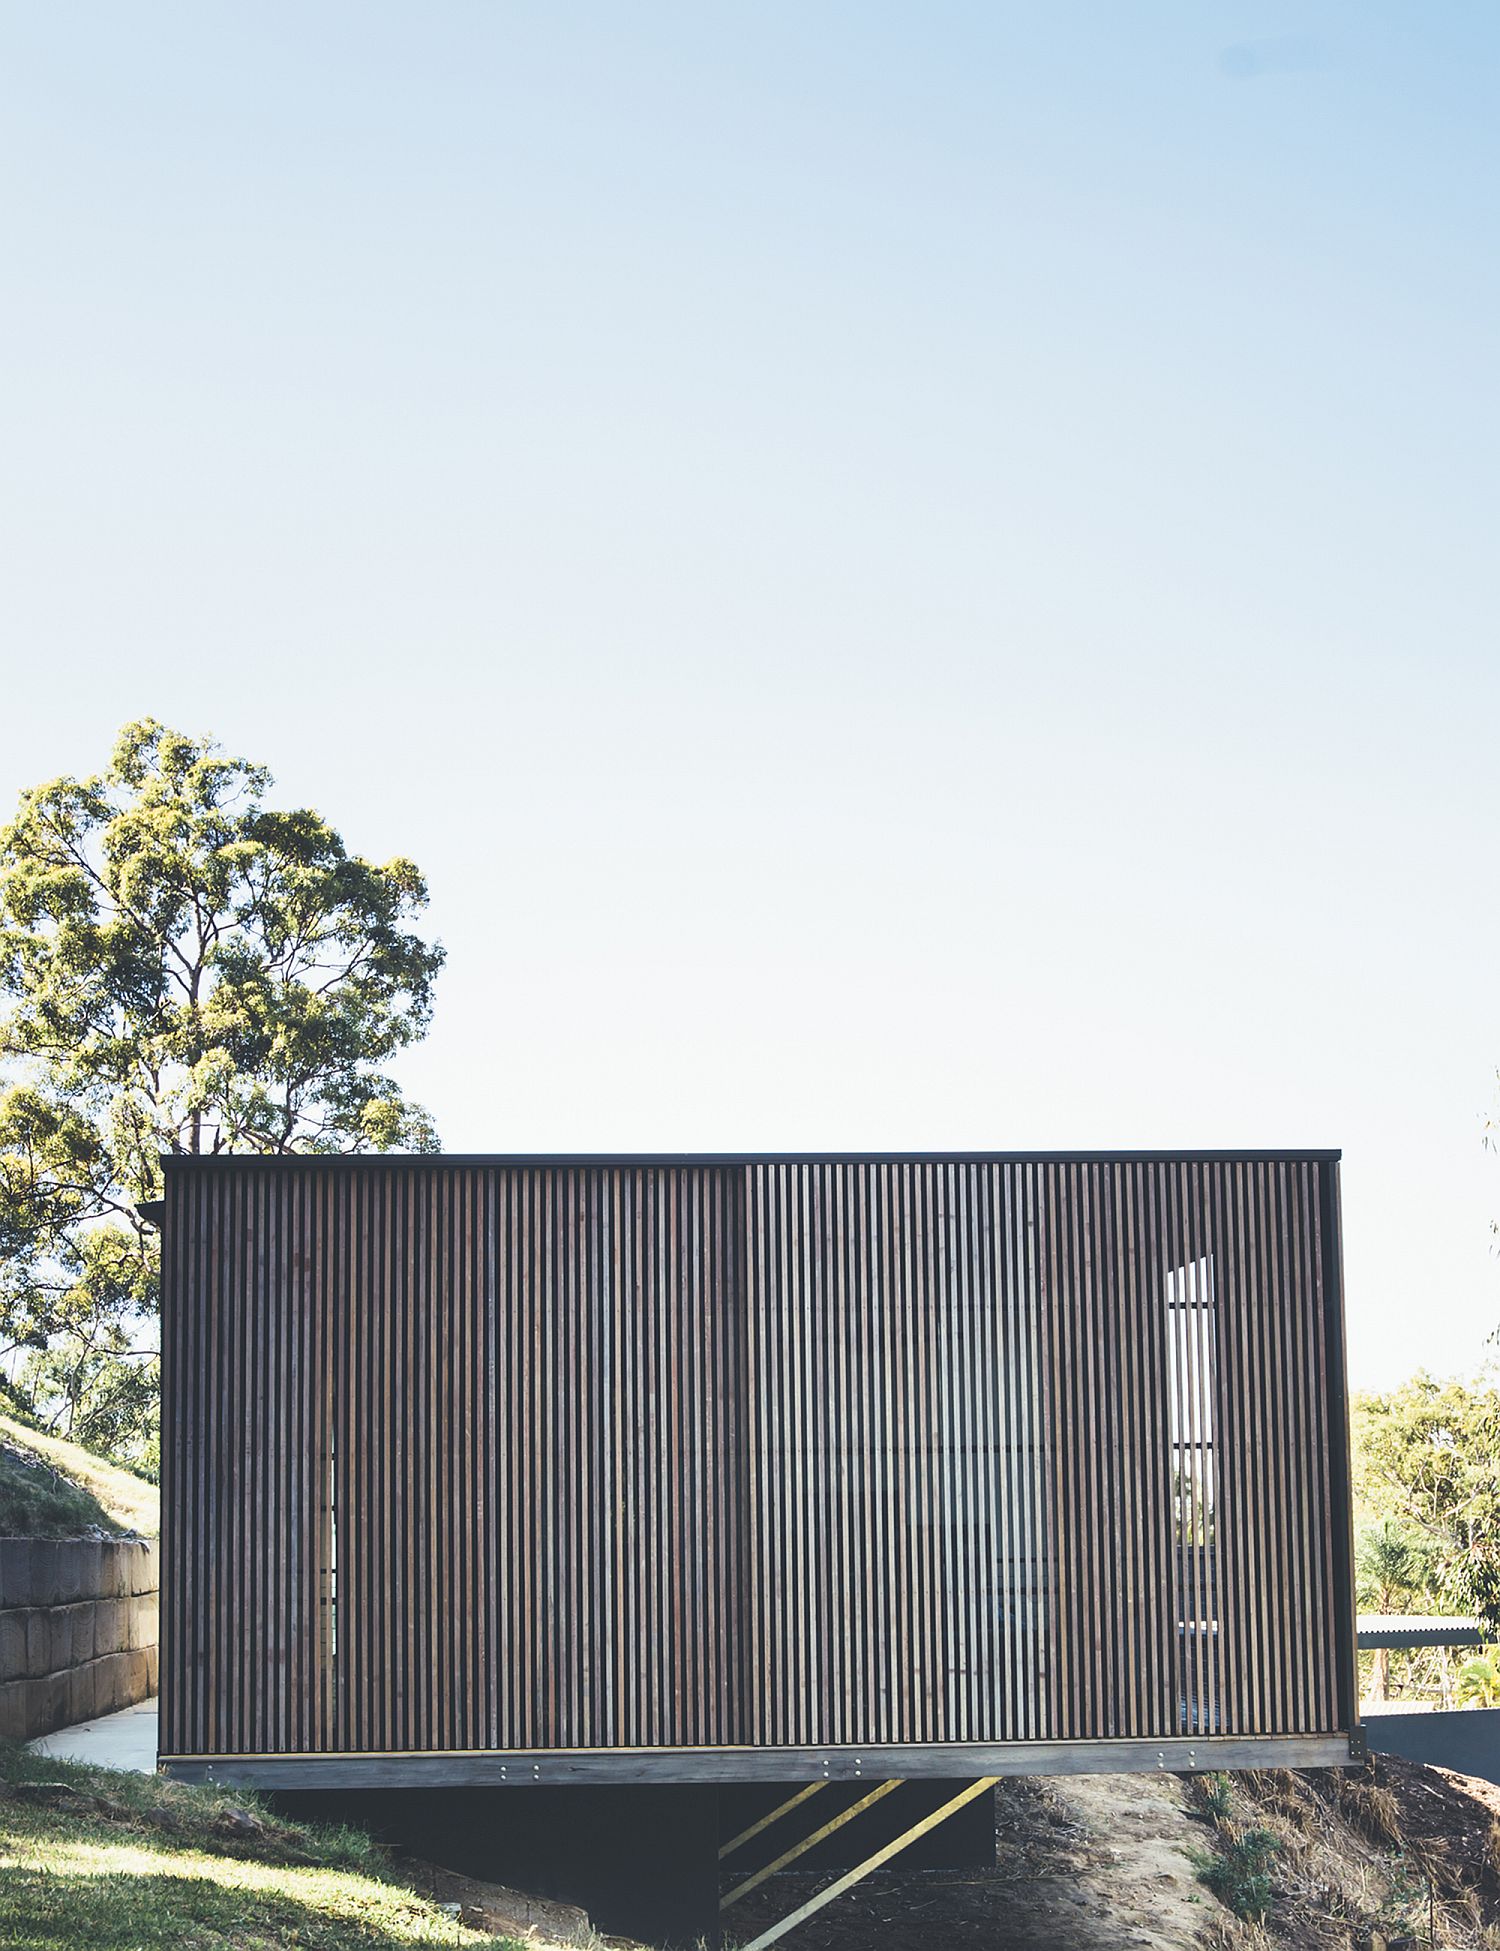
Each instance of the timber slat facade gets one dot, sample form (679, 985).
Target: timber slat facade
(476, 1457)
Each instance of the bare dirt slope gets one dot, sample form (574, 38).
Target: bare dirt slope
(1082, 1863)
(1353, 1861)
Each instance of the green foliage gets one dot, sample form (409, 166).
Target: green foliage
(1393, 1564)
(1239, 1872)
(188, 970)
(1477, 1683)
(1408, 1895)
(1214, 1794)
(1425, 1456)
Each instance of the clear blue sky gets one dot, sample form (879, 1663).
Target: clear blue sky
(915, 575)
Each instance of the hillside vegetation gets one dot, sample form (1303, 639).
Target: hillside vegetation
(123, 1862)
(53, 1489)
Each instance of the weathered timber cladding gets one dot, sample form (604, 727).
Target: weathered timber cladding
(470, 1454)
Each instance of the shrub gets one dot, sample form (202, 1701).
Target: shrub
(1239, 1873)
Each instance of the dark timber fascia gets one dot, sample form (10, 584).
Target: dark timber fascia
(769, 1764)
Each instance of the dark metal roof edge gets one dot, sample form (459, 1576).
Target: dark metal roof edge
(1415, 1634)
(177, 1160)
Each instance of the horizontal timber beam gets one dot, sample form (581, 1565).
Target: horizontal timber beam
(790, 1765)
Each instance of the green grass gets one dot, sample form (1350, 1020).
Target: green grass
(116, 1862)
(37, 1501)
(53, 1489)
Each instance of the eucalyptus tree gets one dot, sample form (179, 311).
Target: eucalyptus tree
(185, 969)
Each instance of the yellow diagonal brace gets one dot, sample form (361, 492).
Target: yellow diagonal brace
(850, 1877)
(728, 1849)
(801, 1849)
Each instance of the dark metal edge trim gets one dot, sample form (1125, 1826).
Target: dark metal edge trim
(1346, 1640)
(327, 1161)
(1463, 1632)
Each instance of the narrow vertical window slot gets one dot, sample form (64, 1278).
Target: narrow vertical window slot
(1192, 1355)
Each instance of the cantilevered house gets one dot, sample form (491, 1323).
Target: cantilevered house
(794, 1469)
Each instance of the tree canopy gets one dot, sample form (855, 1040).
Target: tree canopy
(1425, 1456)
(186, 969)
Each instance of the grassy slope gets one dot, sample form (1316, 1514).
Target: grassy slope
(53, 1489)
(120, 1862)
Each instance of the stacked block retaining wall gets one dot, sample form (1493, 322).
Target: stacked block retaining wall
(78, 1630)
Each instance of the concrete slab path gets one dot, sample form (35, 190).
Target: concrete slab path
(124, 1740)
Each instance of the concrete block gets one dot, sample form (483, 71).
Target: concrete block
(50, 1701)
(38, 1641)
(16, 1572)
(14, 1659)
(138, 1676)
(80, 1632)
(59, 1653)
(111, 1625)
(86, 1572)
(110, 1692)
(32, 1707)
(98, 1686)
(114, 1570)
(144, 1621)
(60, 1638)
(153, 1670)
(14, 1702)
(48, 1698)
(52, 1573)
(111, 1683)
(82, 1692)
(85, 1630)
(145, 1568)
(117, 1680)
